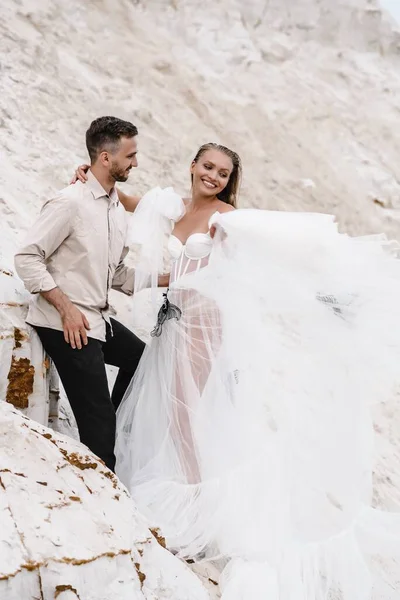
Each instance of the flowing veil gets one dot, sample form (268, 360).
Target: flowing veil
(246, 433)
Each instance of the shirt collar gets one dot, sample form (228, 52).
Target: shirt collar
(98, 191)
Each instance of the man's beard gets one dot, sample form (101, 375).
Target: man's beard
(119, 174)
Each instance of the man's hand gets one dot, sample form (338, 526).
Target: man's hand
(80, 174)
(163, 280)
(75, 325)
(74, 321)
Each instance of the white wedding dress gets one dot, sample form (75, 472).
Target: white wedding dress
(246, 433)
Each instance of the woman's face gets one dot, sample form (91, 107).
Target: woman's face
(211, 172)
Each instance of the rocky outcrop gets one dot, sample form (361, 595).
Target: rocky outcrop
(69, 529)
(24, 369)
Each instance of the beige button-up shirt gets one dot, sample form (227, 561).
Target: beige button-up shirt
(77, 244)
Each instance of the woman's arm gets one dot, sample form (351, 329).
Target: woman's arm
(129, 202)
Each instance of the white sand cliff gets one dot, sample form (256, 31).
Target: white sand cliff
(70, 530)
(308, 93)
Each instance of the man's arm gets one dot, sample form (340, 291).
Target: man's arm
(49, 231)
(124, 277)
(74, 321)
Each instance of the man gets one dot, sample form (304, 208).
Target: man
(71, 258)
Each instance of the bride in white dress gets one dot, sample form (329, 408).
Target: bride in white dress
(246, 433)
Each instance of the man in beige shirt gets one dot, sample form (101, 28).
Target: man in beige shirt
(71, 258)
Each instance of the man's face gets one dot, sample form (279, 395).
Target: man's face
(123, 159)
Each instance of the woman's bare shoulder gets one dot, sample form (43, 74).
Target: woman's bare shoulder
(223, 207)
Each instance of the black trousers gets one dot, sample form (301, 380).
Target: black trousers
(83, 375)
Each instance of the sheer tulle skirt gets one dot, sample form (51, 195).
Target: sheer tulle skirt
(246, 431)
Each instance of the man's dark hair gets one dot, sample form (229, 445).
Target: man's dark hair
(105, 133)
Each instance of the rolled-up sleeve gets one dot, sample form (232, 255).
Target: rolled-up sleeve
(51, 228)
(124, 276)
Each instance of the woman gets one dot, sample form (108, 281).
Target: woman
(246, 433)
